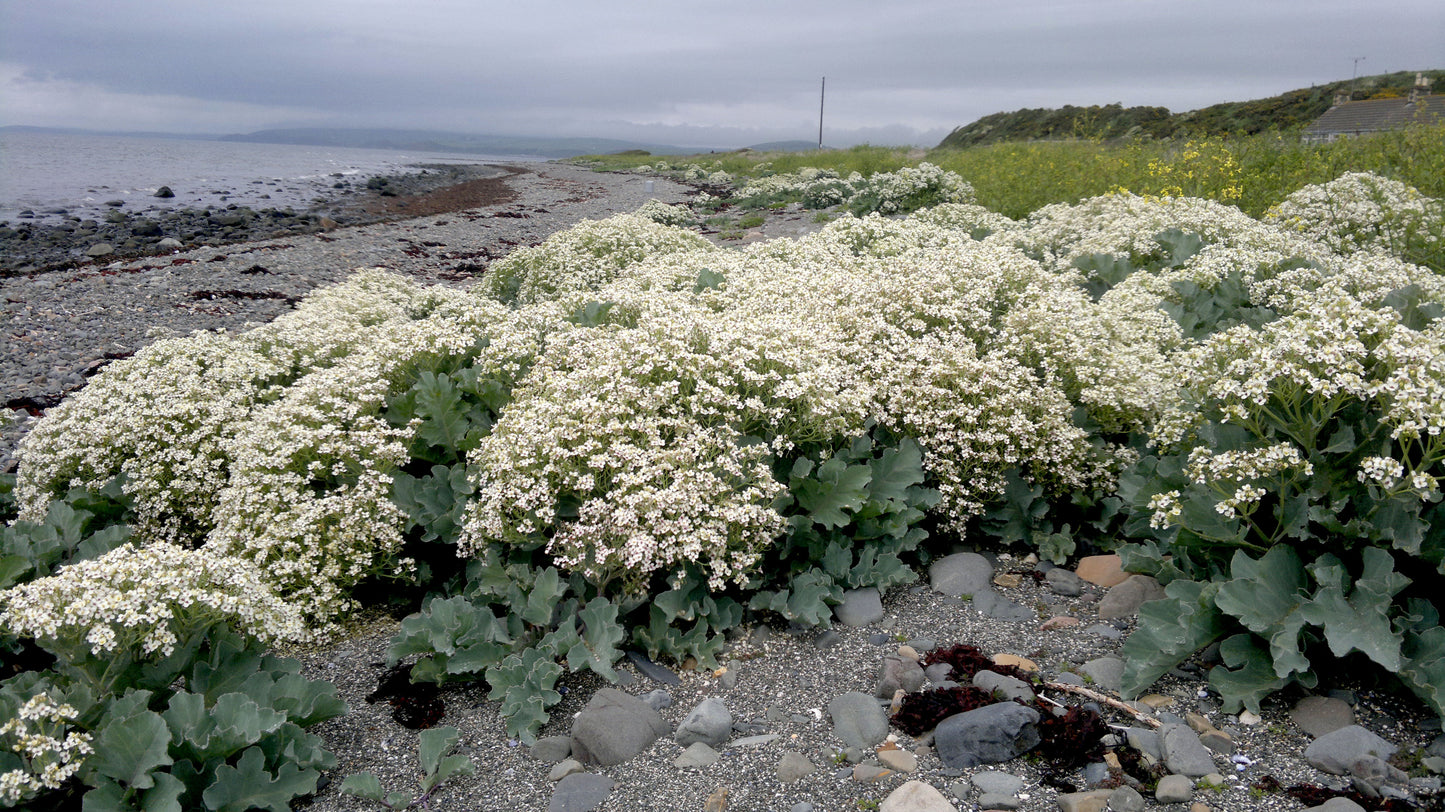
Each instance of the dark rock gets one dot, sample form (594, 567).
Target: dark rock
(613, 727)
(1004, 685)
(1124, 599)
(1126, 799)
(580, 792)
(960, 574)
(552, 748)
(1318, 715)
(1064, 582)
(1174, 789)
(697, 755)
(100, 249)
(998, 782)
(652, 670)
(115, 203)
(1334, 752)
(1184, 753)
(988, 735)
(1106, 672)
(899, 673)
(793, 766)
(827, 640)
(858, 720)
(993, 605)
(709, 722)
(859, 607)
(164, 191)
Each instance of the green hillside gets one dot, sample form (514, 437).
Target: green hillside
(1287, 111)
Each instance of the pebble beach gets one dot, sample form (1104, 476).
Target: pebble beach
(788, 736)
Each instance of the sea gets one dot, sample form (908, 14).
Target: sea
(52, 175)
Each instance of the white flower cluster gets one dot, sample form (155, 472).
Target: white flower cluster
(663, 214)
(35, 734)
(886, 192)
(140, 599)
(584, 257)
(308, 497)
(159, 417)
(1361, 211)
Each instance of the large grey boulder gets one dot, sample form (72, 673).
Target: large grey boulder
(710, 723)
(1124, 600)
(580, 792)
(858, 720)
(989, 735)
(1334, 752)
(960, 574)
(1184, 753)
(860, 607)
(613, 727)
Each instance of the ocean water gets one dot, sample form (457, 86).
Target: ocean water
(44, 172)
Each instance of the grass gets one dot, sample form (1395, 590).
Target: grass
(1014, 179)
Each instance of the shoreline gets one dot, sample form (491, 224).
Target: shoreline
(82, 235)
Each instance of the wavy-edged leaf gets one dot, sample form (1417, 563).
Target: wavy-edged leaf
(1268, 595)
(108, 796)
(1170, 630)
(249, 785)
(1247, 675)
(896, 470)
(596, 648)
(1357, 619)
(543, 597)
(129, 749)
(836, 490)
(524, 683)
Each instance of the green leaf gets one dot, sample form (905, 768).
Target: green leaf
(240, 722)
(597, 648)
(1342, 441)
(808, 599)
(1170, 630)
(249, 785)
(433, 744)
(1267, 596)
(365, 786)
(591, 314)
(1247, 675)
(708, 279)
(439, 405)
(524, 683)
(108, 796)
(543, 597)
(1357, 619)
(897, 470)
(837, 560)
(881, 570)
(305, 702)
(836, 488)
(450, 766)
(129, 749)
(1019, 513)
(1423, 666)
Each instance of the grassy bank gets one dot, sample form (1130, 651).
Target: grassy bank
(1015, 179)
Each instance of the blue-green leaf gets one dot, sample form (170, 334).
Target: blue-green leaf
(131, 748)
(1357, 619)
(1267, 595)
(1170, 630)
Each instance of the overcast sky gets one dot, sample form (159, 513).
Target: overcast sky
(716, 74)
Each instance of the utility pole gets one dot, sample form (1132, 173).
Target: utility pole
(1353, 74)
(821, 93)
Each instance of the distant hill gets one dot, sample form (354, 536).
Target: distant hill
(1288, 111)
(436, 141)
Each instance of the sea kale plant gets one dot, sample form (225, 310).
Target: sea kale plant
(626, 437)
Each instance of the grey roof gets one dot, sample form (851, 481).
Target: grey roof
(1373, 115)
